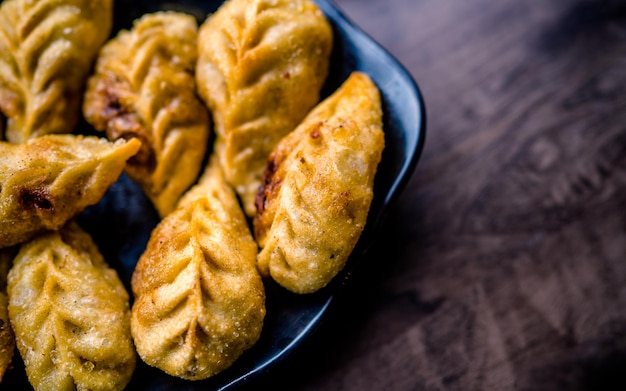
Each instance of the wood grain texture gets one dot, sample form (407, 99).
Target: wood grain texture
(503, 265)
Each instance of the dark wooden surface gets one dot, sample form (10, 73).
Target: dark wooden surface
(503, 265)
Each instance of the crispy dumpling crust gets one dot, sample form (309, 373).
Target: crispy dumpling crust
(70, 313)
(50, 179)
(47, 48)
(144, 87)
(318, 188)
(7, 339)
(199, 299)
(260, 69)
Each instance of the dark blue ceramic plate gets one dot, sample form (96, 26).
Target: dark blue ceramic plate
(122, 221)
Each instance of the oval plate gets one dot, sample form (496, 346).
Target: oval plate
(121, 223)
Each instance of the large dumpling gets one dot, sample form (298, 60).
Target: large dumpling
(261, 67)
(144, 87)
(199, 299)
(71, 314)
(47, 48)
(50, 179)
(318, 188)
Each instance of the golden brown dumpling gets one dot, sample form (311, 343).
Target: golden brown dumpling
(7, 339)
(261, 66)
(144, 87)
(50, 179)
(47, 48)
(70, 313)
(199, 300)
(318, 188)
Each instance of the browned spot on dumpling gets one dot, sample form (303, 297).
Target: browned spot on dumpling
(110, 91)
(268, 190)
(35, 198)
(315, 132)
(118, 120)
(127, 127)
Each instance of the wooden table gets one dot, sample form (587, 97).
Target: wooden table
(502, 266)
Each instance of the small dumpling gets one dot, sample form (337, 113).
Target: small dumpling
(47, 49)
(261, 67)
(318, 188)
(71, 314)
(50, 179)
(144, 88)
(199, 299)
(7, 339)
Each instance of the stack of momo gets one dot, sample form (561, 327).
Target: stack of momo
(200, 300)
(253, 175)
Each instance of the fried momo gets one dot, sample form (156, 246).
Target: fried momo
(7, 339)
(50, 179)
(260, 69)
(199, 300)
(70, 313)
(144, 87)
(318, 188)
(47, 48)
